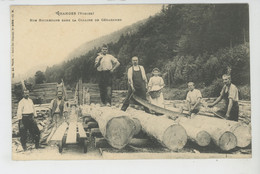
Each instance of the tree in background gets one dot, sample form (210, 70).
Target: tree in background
(39, 77)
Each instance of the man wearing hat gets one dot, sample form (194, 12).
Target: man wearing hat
(106, 65)
(58, 108)
(26, 113)
(137, 83)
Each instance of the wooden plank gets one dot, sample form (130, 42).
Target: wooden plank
(81, 131)
(58, 135)
(72, 133)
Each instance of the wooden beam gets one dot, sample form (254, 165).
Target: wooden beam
(72, 133)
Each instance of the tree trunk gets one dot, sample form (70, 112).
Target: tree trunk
(117, 127)
(167, 132)
(195, 132)
(241, 132)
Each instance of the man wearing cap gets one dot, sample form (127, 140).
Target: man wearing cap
(137, 83)
(193, 99)
(58, 108)
(26, 113)
(229, 94)
(106, 65)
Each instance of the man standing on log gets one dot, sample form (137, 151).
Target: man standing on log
(26, 113)
(229, 93)
(106, 65)
(58, 109)
(193, 99)
(137, 83)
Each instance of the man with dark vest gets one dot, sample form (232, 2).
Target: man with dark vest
(229, 94)
(58, 108)
(137, 83)
(26, 113)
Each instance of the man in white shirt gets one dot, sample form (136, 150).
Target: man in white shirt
(106, 65)
(229, 94)
(26, 113)
(137, 83)
(193, 99)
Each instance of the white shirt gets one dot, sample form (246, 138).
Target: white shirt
(25, 106)
(193, 96)
(155, 83)
(106, 62)
(136, 68)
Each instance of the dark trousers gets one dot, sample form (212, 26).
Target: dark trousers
(140, 92)
(105, 86)
(28, 123)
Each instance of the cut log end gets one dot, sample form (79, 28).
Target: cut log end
(227, 141)
(243, 135)
(175, 137)
(203, 138)
(119, 131)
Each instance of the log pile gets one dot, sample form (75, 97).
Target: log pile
(167, 132)
(241, 131)
(117, 127)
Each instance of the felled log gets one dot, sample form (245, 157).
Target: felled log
(195, 132)
(166, 131)
(116, 126)
(241, 131)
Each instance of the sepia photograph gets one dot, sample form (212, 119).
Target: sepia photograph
(136, 81)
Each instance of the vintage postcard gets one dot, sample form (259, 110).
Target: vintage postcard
(158, 81)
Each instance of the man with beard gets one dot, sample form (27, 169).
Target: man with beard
(26, 113)
(137, 83)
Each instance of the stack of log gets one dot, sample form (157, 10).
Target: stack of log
(119, 127)
(44, 93)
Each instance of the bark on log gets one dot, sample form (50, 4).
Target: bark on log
(241, 131)
(167, 132)
(195, 132)
(117, 127)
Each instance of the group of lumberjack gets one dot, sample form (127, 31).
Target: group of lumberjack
(152, 91)
(137, 85)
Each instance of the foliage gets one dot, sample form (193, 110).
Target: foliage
(39, 77)
(187, 42)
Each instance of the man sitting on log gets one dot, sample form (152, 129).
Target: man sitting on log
(193, 99)
(26, 113)
(229, 94)
(137, 83)
(106, 65)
